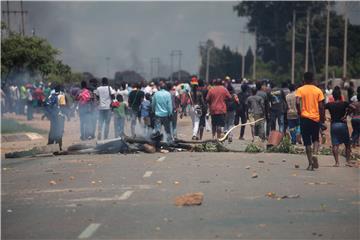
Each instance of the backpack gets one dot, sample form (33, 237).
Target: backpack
(84, 97)
(52, 101)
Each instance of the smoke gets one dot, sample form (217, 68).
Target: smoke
(129, 33)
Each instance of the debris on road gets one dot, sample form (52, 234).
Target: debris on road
(275, 196)
(159, 182)
(190, 199)
(205, 181)
(319, 183)
(247, 167)
(9, 211)
(260, 161)
(254, 175)
(52, 182)
(297, 166)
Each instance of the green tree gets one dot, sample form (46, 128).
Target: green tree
(223, 61)
(272, 21)
(34, 55)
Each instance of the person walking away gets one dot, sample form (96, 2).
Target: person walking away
(262, 91)
(120, 111)
(145, 109)
(202, 93)
(241, 111)
(56, 104)
(216, 98)
(162, 107)
(339, 130)
(355, 120)
(22, 99)
(292, 116)
(176, 108)
(3, 103)
(231, 106)
(30, 102)
(356, 97)
(94, 115)
(105, 95)
(256, 110)
(123, 90)
(310, 107)
(197, 106)
(136, 96)
(84, 100)
(278, 108)
(14, 98)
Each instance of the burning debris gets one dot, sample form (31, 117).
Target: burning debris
(127, 145)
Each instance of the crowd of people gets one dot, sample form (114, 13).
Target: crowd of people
(216, 106)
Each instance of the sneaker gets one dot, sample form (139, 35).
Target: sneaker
(194, 138)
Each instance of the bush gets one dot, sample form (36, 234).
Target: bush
(285, 146)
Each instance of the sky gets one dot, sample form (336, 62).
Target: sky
(131, 33)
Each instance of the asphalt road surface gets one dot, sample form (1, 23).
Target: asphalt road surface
(132, 197)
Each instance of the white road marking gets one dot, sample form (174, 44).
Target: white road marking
(147, 174)
(126, 195)
(161, 159)
(89, 231)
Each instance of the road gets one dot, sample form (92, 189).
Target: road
(132, 197)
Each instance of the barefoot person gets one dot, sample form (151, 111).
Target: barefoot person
(310, 107)
(339, 129)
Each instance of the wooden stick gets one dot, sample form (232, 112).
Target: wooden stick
(239, 125)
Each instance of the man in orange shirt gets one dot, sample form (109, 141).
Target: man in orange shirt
(310, 107)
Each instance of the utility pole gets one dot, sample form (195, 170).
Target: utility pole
(8, 15)
(21, 12)
(22, 18)
(293, 49)
(107, 66)
(177, 53)
(171, 66)
(201, 44)
(307, 40)
(180, 54)
(345, 41)
(207, 63)
(254, 64)
(327, 45)
(243, 55)
(155, 60)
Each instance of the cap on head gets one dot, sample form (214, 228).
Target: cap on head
(194, 81)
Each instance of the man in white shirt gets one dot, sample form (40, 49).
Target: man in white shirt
(105, 94)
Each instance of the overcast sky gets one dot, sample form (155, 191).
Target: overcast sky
(131, 33)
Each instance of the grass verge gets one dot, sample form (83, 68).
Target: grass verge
(13, 126)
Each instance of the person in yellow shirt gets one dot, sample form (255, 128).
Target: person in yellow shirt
(310, 107)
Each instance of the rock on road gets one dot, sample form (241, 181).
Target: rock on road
(132, 197)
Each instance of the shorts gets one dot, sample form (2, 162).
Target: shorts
(309, 131)
(218, 120)
(339, 133)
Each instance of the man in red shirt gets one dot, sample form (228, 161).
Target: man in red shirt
(217, 97)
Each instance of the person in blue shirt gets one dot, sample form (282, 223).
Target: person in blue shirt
(163, 108)
(145, 109)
